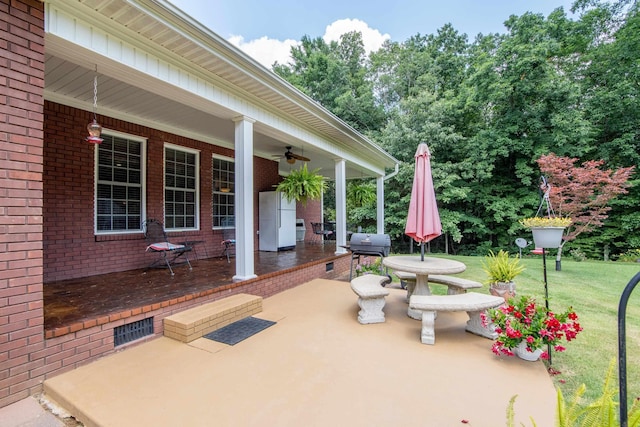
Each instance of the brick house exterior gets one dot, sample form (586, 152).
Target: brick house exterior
(22, 358)
(71, 248)
(47, 214)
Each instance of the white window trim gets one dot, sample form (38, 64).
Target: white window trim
(164, 184)
(143, 183)
(231, 160)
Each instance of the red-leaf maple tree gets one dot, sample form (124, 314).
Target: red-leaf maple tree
(581, 192)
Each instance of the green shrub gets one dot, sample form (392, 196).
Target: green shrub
(632, 255)
(578, 255)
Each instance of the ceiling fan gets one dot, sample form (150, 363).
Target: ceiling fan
(292, 157)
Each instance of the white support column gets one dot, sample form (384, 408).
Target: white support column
(380, 204)
(341, 206)
(244, 198)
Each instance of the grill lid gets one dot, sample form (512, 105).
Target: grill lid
(370, 244)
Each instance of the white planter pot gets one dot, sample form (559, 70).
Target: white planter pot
(524, 354)
(547, 237)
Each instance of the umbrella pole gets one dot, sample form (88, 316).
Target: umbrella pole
(421, 251)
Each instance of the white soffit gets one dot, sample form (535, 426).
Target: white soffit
(159, 40)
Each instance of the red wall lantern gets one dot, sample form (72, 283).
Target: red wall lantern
(94, 127)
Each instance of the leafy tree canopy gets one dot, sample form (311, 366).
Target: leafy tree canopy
(489, 109)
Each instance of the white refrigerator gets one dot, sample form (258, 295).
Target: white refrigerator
(277, 222)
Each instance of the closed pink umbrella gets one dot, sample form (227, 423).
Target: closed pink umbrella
(423, 221)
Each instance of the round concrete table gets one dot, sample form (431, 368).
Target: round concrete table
(422, 269)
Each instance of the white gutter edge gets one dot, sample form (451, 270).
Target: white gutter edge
(392, 174)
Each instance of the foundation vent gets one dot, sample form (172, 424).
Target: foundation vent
(132, 331)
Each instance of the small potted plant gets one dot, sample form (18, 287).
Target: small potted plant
(302, 185)
(501, 270)
(525, 327)
(547, 231)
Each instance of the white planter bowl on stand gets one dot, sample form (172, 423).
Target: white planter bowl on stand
(547, 237)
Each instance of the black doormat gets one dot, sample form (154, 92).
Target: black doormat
(237, 331)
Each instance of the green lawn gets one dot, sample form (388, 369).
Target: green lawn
(594, 289)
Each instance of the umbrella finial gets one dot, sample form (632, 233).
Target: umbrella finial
(423, 150)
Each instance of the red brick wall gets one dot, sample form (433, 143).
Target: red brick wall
(71, 248)
(312, 212)
(73, 346)
(60, 212)
(21, 93)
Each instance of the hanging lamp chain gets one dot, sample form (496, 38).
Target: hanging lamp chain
(95, 96)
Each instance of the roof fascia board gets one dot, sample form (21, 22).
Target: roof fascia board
(166, 13)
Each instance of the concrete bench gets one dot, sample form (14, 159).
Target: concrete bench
(455, 285)
(371, 297)
(473, 303)
(191, 324)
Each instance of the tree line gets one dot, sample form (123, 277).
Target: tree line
(489, 109)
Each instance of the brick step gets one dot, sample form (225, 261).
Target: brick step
(195, 322)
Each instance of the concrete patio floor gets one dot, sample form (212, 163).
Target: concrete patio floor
(316, 367)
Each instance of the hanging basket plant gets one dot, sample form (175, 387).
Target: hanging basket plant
(302, 185)
(547, 231)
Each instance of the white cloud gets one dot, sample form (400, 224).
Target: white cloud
(371, 37)
(267, 51)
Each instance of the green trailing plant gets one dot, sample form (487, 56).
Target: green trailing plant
(600, 413)
(511, 413)
(302, 185)
(501, 267)
(568, 414)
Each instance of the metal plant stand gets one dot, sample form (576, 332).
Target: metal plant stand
(546, 293)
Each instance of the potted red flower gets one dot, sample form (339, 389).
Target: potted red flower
(527, 329)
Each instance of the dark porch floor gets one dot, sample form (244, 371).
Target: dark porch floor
(70, 301)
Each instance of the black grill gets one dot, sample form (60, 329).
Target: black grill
(364, 244)
(370, 244)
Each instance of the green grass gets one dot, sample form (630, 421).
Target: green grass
(594, 289)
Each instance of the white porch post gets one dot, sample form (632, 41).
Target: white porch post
(341, 206)
(244, 198)
(380, 204)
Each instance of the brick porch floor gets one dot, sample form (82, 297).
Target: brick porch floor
(72, 302)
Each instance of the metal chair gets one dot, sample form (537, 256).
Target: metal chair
(229, 237)
(158, 243)
(325, 230)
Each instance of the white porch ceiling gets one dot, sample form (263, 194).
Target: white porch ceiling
(129, 94)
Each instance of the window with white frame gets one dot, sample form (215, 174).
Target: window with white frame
(181, 188)
(119, 184)
(223, 185)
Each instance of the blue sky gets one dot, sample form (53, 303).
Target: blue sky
(267, 29)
